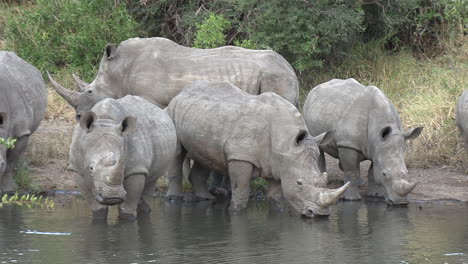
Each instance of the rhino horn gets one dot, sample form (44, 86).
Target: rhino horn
(403, 187)
(329, 197)
(79, 83)
(70, 96)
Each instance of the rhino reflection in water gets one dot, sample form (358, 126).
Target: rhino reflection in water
(119, 149)
(23, 100)
(157, 69)
(367, 128)
(244, 136)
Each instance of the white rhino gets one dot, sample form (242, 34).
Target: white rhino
(367, 128)
(23, 101)
(245, 136)
(120, 149)
(462, 117)
(157, 69)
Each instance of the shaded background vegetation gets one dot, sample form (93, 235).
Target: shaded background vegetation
(414, 50)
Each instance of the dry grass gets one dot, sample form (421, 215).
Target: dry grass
(57, 108)
(425, 93)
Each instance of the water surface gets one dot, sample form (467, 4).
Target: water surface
(355, 232)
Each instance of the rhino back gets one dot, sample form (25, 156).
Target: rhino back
(175, 66)
(205, 115)
(23, 94)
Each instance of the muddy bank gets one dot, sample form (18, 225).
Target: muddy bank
(48, 156)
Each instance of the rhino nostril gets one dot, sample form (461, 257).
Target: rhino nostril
(310, 211)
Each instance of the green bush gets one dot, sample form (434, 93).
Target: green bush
(210, 33)
(55, 33)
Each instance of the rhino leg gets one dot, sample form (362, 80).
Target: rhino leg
(175, 175)
(219, 187)
(144, 206)
(133, 185)
(198, 176)
(7, 184)
(321, 162)
(275, 194)
(240, 173)
(350, 160)
(98, 210)
(373, 189)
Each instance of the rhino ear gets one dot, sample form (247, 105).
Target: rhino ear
(412, 133)
(87, 120)
(3, 117)
(111, 50)
(325, 138)
(128, 124)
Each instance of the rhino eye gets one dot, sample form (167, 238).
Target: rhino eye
(385, 132)
(90, 91)
(299, 182)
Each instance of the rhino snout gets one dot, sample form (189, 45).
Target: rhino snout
(109, 200)
(111, 195)
(315, 212)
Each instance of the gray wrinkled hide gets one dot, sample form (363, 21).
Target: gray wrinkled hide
(245, 136)
(119, 158)
(367, 128)
(23, 101)
(157, 69)
(462, 117)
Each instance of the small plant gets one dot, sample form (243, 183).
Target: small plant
(23, 178)
(29, 200)
(9, 142)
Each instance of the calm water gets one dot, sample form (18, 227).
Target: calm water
(356, 232)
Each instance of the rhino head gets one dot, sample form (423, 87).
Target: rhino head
(89, 94)
(3, 149)
(302, 184)
(104, 155)
(389, 166)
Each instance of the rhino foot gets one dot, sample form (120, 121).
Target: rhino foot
(127, 216)
(174, 197)
(8, 185)
(374, 191)
(203, 196)
(352, 194)
(144, 208)
(100, 214)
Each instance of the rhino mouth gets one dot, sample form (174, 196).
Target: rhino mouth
(109, 200)
(313, 211)
(395, 200)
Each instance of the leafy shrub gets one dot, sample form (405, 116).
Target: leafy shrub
(424, 25)
(210, 33)
(53, 33)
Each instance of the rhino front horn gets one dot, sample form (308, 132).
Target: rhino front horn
(329, 197)
(70, 96)
(403, 187)
(79, 83)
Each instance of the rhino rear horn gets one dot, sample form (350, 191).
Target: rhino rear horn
(329, 197)
(70, 96)
(79, 83)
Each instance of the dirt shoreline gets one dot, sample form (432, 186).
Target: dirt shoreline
(48, 156)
